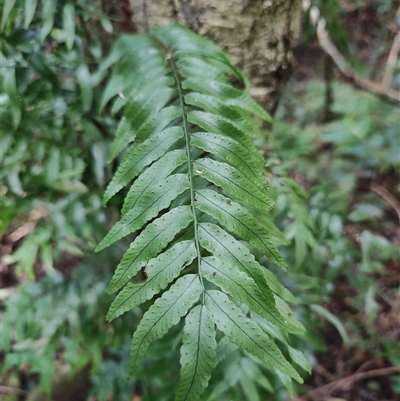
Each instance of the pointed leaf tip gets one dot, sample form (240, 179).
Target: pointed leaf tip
(198, 354)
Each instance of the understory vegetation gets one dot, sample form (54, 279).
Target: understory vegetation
(332, 164)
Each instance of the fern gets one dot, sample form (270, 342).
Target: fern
(196, 192)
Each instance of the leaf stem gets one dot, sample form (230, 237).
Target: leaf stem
(190, 166)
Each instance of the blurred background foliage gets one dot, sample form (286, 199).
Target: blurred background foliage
(333, 165)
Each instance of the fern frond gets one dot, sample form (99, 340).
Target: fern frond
(195, 196)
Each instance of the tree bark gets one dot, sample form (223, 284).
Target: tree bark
(260, 35)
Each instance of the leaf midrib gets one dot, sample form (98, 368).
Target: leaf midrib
(197, 355)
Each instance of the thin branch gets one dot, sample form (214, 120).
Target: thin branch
(345, 383)
(34, 216)
(372, 87)
(329, 48)
(391, 61)
(387, 196)
(6, 292)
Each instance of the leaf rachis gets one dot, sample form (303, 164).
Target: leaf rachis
(190, 168)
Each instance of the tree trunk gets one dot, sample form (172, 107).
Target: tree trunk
(259, 34)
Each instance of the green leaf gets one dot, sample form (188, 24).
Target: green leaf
(288, 315)
(7, 8)
(166, 312)
(278, 288)
(294, 354)
(243, 288)
(160, 272)
(216, 125)
(248, 378)
(85, 85)
(147, 245)
(221, 244)
(48, 12)
(143, 111)
(299, 358)
(239, 221)
(30, 8)
(106, 24)
(224, 348)
(192, 64)
(141, 156)
(14, 181)
(198, 354)
(39, 64)
(181, 38)
(245, 333)
(217, 106)
(234, 153)
(46, 256)
(229, 95)
(287, 382)
(233, 183)
(69, 24)
(99, 152)
(157, 198)
(152, 176)
(5, 143)
(136, 55)
(10, 87)
(331, 318)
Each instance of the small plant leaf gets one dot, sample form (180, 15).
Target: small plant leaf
(7, 8)
(30, 8)
(69, 24)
